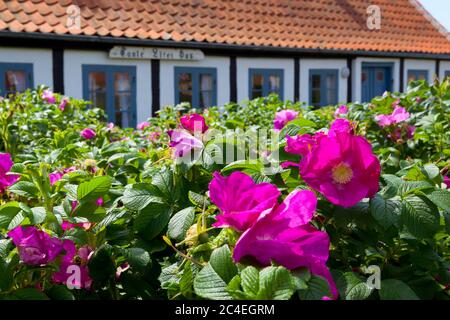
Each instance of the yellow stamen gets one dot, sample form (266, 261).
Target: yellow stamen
(342, 173)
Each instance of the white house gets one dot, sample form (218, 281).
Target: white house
(132, 57)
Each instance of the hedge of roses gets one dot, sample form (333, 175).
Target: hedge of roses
(192, 205)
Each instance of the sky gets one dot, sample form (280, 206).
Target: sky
(440, 9)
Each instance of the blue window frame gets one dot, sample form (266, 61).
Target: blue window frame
(376, 78)
(198, 86)
(414, 75)
(263, 82)
(112, 88)
(447, 74)
(15, 77)
(323, 87)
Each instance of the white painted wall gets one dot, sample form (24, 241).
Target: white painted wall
(415, 64)
(40, 58)
(357, 67)
(167, 81)
(444, 66)
(308, 64)
(244, 64)
(73, 78)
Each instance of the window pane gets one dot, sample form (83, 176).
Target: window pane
(122, 99)
(274, 83)
(315, 99)
(411, 76)
(97, 89)
(331, 97)
(256, 94)
(364, 76)
(206, 82)
(422, 76)
(316, 81)
(331, 81)
(380, 76)
(185, 96)
(257, 82)
(206, 100)
(15, 81)
(184, 81)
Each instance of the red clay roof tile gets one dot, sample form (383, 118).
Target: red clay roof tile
(324, 24)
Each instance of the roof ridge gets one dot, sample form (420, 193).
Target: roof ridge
(443, 30)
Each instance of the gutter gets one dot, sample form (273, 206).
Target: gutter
(231, 48)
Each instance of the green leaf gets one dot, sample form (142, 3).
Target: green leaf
(222, 263)
(353, 287)
(420, 218)
(94, 189)
(163, 180)
(60, 292)
(28, 294)
(180, 223)
(7, 213)
(275, 283)
(244, 165)
(138, 258)
(198, 199)
(250, 281)
(385, 212)
(101, 265)
(441, 198)
(392, 289)
(150, 223)
(38, 215)
(140, 195)
(25, 189)
(209, 285)
(317, 288)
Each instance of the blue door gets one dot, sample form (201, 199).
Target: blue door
(375, 80)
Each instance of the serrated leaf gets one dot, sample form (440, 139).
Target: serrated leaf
(150, 224)
(60, 292)
(393, 289)
(317, 289)
(385, 211)
(38, 215)
(25, 189)
(93, 189)
(250, 281)
(198, 199)
(420, 218)
(441, 198)
(138, 258)
(275, 283)
(7, 213)
(353, 287)
(209, 285)
(222, 263)
(180, 223)
(101, 265)
(140, 195)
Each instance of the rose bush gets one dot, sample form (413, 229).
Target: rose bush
(215, 204)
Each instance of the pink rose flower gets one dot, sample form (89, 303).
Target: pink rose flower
(6, 164)
(447, 183)
(194, 123)
(343, 168)
(48, 96)
(99, 202)
(340, 125)
(74, 259)
(66, 225)
(54, 177)
(143, 125)
(398, 115)
(183, 142)
(63, 103)
(283, 235)
(88, 134)
(283, 117)
(240, 199)
(35, 247)
(341, 110)
(300, 144)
